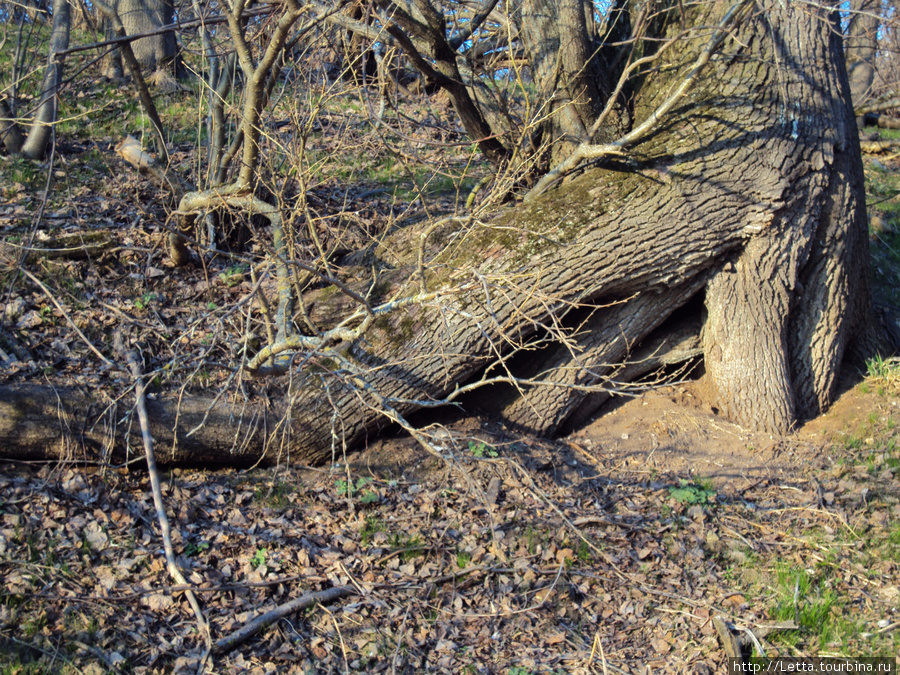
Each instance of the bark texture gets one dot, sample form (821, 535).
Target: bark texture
(752, 188)
(568, 70)
(38, 139)
(780, 318)
(40, 422)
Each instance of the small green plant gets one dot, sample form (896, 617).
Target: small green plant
(482, 450)
(535, 538)
(584, 551)
(463, 558)
(144, 301)
(34, 625)
(259, 558)
(233, 276)
(368, 497)
(197, 548)
(359, 489)
(409, 546)
(275, 496)
(806, 599)
(885, 373)
(894, 535)
(693, 493)
(81, 622)
(371, 526)
(878, 366)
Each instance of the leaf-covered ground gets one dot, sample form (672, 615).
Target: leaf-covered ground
(525, 557)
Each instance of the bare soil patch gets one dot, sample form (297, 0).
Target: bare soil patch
(673, 431)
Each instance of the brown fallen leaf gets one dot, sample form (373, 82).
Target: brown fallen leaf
(555, 639)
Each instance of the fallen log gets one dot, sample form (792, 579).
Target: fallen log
(41, 422)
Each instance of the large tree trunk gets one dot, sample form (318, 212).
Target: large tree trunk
(154, 52)
(755, 183)
(569, 72)
(749, 197)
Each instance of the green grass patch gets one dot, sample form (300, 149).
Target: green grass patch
(371, 526)
(886, 134)
(883, 204)
(407, 546)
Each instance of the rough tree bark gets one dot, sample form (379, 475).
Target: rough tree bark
(571, 70)
(748, 197)
(755, 181)
(37, 422)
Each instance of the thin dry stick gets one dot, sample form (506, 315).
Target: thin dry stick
(537, 492)
(530, 608)
(248, 630)
(395, 657)
(337, 629)
(598, 645)
(174, 571)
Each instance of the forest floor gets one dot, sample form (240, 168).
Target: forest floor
(610, 551)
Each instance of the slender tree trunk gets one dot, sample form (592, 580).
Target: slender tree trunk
(861, 46)
(569, 72)
(42, 126)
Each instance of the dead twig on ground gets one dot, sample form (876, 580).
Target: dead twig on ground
(65, 314)
(172, 565)
(263, 621)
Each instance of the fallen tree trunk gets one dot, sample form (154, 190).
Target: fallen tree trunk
(40, 422)
(752, 191)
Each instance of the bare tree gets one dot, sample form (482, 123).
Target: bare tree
(34, 145)
(704, 195)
